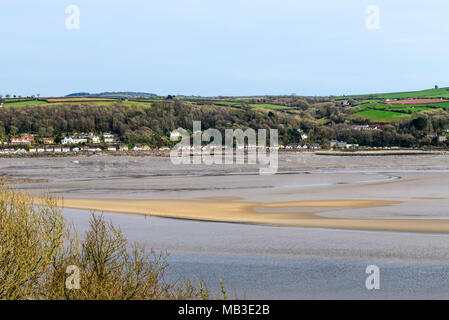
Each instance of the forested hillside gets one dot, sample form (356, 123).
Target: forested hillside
(151, 123)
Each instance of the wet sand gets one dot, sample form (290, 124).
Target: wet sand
(389, 193)
(245, 212)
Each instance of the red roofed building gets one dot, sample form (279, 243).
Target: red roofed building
(22, 140)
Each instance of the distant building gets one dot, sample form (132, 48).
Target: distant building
(314, 146)
(293, 146)
(110, 138)
(338, 144)
(94, 139)
(48, 140)
(442, 138)
(366, 128)
(345, 103)
(74, 140)
(22, 140)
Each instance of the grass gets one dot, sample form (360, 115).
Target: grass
(415, 94)
(92, 102)
(52, 100)
(368, 106)
(380, 115)
(268, 106)
(383, 112)
(442, 92)
(250, 105)
(228, 103)
(133, 103)
(410, 109)
(323, 121)
(24, 103)
(444, 105)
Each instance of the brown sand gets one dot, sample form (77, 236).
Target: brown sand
(227, 210)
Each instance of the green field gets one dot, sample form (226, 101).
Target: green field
(93, 102)
(267, 106)
(376, 105)
(429, 93)
(380, 115)
(24, 103)
(243, 104)
(383, 112)
(228, 103)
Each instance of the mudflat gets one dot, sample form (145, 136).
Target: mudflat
(390, 193)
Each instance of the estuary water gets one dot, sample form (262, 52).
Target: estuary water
(264, 262)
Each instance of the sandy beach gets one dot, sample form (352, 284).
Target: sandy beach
(306, 213)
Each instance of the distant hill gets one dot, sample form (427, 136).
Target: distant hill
(78, 94)
(124, 94)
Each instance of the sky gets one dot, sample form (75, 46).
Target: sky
(227, 48)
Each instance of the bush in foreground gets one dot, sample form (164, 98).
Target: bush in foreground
(38, 252)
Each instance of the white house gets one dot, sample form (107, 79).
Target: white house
(110, 138)
(95, 139)
(74, 140)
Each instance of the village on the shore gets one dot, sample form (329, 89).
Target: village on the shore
(110, 143)
(91, 142)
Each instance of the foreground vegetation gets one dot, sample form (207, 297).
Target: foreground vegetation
(37, 247)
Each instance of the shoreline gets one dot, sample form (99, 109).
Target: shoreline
(166, 153)
(305, 214)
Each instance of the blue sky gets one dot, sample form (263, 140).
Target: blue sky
(209, 47)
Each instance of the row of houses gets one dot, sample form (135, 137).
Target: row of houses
(290, 146)
(66, 149)
(342, 145)
(75, 139)
(212, 147)
(91, 138)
